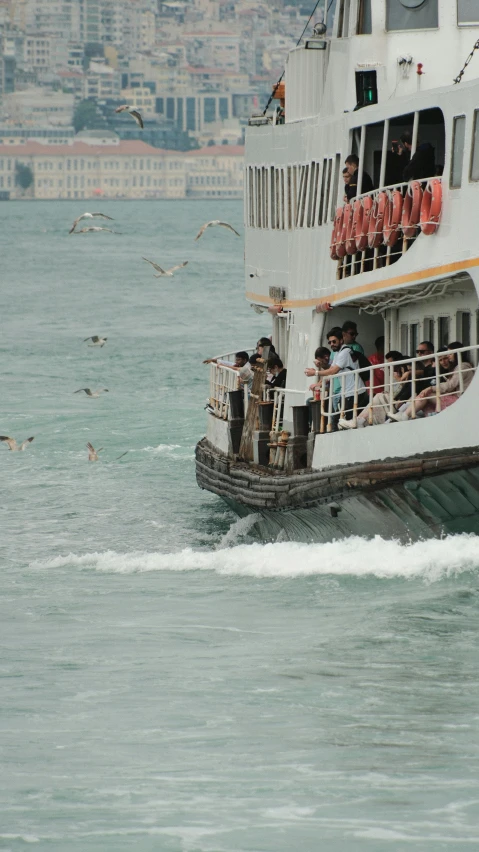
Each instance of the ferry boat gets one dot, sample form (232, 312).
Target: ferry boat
(400, 260)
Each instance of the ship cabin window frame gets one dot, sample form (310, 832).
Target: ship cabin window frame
(474, 160)
(429, 329)
(443, 330)
(404, 338)
(364, 22)
(463, 327)
(457, 150)
(422, 17)
(462, 11)
(413, 338)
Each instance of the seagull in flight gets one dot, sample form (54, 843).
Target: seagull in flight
(88, 216)
(92, 453)
(96, 341)
(131, 111)
(93, 394)
(168, 272)
(12, 444)
(95, 228)
(211, 224)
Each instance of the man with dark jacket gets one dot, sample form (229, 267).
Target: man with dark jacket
(423, 162)
(351, 189)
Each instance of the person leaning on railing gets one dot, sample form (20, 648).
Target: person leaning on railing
(240, 364)
(461, 373)
(278, 374)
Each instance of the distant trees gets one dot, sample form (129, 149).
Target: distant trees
(23, 175)
(87, 116)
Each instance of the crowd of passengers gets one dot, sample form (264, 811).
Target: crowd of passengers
(395, 398)
(244, 364)
(405, 396)
(400, 166)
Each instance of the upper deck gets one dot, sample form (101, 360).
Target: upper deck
(357, 95)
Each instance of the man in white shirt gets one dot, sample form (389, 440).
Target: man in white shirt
(342, 366)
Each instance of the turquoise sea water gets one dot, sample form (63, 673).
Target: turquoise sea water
(167, 682)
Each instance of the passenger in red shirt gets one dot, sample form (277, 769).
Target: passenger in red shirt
(378, 358)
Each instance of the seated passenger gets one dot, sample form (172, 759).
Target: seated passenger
(425, 373)
(258, 356)
(378, 410)
(352, 165)
(449, 390)
(378, 358)
(423, 162)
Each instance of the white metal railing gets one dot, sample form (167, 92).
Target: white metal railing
(222, 381)
(279, 395)
(382, 255)
(337, 401)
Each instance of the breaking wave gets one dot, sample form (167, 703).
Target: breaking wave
(358, 557)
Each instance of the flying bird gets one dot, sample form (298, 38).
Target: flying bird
(96, 341)
(211, 224)
(168, 272)
(87, 216)
(93, 394)
(12, 444)
(131, 111)
(95, 228)
(92, 453)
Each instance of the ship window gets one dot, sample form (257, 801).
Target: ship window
(463, 327)
(443, 331)
(413, 338)
(327, 192)
(272, 177)
(289, 195)
(334, 194)
(457, 157)
(429, 329)
(475, 148)
(264, 181)
(343, 18)
(303, 190)
(403, 15)
(366, 89)
(258, 197)
(313, 193)
(467, 13)
(282, 220)
(365, 26)
(404, 338)
(321, 194)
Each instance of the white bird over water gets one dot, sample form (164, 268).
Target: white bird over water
(95, 228)
(131, 111)
(88, 216)
(93, 394)
(96, 340)
(92, 453)
(12, 444)
(162, 271)
(212, 224)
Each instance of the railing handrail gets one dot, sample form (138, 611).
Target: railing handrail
(390, 186)
(470, 348)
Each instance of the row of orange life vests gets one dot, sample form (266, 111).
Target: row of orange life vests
(368, 223)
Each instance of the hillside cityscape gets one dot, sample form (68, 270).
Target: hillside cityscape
(195, 69)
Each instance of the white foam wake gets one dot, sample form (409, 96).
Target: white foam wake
(427, 560)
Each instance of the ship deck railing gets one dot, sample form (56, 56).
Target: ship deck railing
(333, 401)
(224, 379)
(382, 256)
